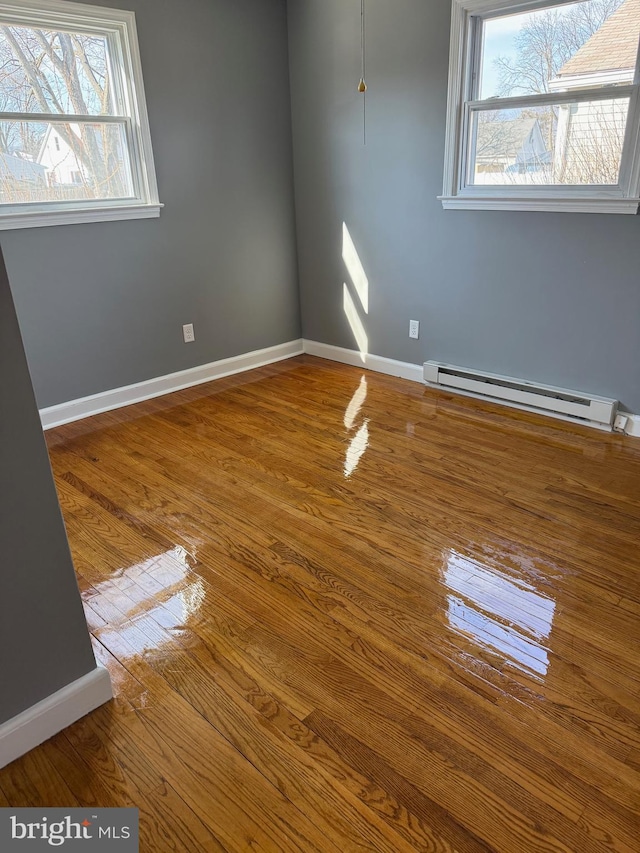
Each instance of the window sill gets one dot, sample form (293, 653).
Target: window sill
(551, 205)
(41, 218)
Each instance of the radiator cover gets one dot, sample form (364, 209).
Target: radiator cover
(599, 412)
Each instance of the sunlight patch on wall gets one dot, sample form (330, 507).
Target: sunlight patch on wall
(351, 313)
(354, 268)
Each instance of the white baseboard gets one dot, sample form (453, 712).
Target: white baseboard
(44, 720)
(414, 372)
(377, 363)
(106, 401)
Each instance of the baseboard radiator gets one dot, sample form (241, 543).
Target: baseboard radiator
(599, 412)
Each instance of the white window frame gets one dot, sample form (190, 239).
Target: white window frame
(457, 194)
(119, 28)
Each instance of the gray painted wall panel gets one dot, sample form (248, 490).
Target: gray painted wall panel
(44, 642)
(547, 297)
(102, 305)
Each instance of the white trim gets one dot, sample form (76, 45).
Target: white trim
(63, 118)
(415, 373)
(33, 219)
(561, 205)
(377, 363)
(134, 83)
(575, 96)
(457, 57)
(116, 398)
(81, 15)
(48, 717)
(497, 8)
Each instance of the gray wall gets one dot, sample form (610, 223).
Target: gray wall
(102, 305)
(552, 297)
(44, 642)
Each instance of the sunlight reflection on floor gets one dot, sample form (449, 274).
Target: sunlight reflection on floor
(504, 616)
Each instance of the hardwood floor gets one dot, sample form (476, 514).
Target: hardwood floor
(343, 612)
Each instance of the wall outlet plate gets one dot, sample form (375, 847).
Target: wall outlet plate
(414, 329)
(188, 334)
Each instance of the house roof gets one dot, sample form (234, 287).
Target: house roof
(503, 138)
(613, 47)
(19, 169)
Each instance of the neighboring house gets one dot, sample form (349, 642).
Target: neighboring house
(509, 148)
(590, 134)
(19, 177)
(56, 156)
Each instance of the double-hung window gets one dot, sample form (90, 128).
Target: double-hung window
(543, 110)
(74, 134)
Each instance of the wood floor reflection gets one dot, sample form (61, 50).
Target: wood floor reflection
(343, 612)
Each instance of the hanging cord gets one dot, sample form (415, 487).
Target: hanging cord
(362, 88)
(363, 46)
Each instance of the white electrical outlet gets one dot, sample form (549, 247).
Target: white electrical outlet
(188, 334)
(414, 329)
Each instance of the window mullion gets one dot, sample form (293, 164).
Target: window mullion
(468, 149)
(62, 118)
(546, 99)
(475, 46)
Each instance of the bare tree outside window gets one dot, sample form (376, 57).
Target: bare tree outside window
(584, 140)
(546, 42)
(65, 73)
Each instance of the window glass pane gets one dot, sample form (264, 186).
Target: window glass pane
(54, 72)
(63, 162)
(575, 46)
(579, 143)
